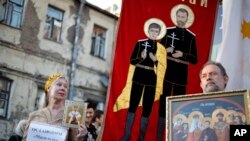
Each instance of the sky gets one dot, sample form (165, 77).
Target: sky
(105, 3)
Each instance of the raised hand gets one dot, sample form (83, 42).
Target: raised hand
(152, 57)
(143, 54)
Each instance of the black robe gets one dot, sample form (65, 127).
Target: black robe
(185, 42)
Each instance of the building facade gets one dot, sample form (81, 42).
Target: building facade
(37, 39)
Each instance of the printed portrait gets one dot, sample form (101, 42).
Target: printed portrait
(74, 113)
(181, 7)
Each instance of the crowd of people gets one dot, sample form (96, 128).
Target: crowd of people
(213, 78)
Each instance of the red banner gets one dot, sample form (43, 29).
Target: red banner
(133, 16)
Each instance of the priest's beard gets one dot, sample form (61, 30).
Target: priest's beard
(212, 88)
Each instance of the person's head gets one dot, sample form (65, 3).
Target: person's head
(207, 124)
(196, 116)
(213, 77)
(98, 117)
(185, 126)
(20, 127)
(154, 30)
(238, 120)
(179, 121)
(75, 108)
(90, 113)
(231, 117)
(56, 88)
(181, 17)
(220, 116)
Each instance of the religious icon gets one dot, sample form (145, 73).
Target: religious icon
(208, 116)
(180, 44)
(74, 113)
(174, 16)
(154, 29)
(145, 76)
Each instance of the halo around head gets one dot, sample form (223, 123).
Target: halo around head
(194, 114)
(243, 116)
(157, 21)
(180, 116)
(219, 111)
(190, 14)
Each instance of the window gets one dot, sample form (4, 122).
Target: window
(98, 42)
(40, 94)
(11, 12)
(5, 85)
(53, 24)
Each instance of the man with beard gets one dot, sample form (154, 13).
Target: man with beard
(181, 50)
(213, 77)
(195, 128)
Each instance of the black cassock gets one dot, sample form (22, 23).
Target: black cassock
(177, 68)
(176, 76)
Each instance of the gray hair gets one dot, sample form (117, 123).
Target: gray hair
(219, 65)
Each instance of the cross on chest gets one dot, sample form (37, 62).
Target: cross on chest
(173, 37)
(146, 45)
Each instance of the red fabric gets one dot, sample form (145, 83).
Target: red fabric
(133, 15)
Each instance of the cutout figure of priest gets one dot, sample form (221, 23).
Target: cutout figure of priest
(145, 77)
(181, 50)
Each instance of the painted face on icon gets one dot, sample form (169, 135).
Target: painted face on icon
(181, 19)
(153, 33)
